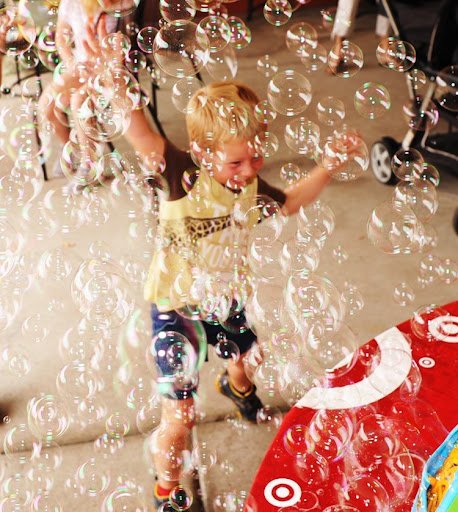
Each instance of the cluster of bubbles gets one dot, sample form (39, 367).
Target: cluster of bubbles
(275, 286)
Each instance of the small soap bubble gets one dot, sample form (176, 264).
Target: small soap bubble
(403, 294)
(417, 78)
(267, 66)
(227, 350)
(277, 12)
(290, 173)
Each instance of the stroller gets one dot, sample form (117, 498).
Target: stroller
(431, 26)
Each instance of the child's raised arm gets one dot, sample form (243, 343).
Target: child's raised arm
(307, 190)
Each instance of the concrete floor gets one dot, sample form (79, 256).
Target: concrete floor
(238, 447)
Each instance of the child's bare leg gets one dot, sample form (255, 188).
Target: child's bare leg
(238, 377)
(173, 437)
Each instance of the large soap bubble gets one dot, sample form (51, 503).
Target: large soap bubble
(395, 229)
(180, 49)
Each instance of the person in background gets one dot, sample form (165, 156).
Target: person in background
(344, 23)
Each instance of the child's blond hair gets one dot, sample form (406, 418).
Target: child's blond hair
(222, 112)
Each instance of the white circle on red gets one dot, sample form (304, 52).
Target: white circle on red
(277, 491)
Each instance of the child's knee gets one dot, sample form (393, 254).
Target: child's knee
(179, 414)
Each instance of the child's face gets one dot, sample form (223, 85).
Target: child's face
(240, 165)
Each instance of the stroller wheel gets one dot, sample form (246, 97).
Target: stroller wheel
(382, 152)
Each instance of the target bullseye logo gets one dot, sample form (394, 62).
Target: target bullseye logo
(282, 492)
(445, 328)
(427, 362)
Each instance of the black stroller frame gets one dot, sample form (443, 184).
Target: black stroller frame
(439, 17)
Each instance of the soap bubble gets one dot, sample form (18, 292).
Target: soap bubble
(394, 230)
(417, 78)
(395, 54)
(172, 10)
(345, 61)
(235, 501)
(16, 444)
(403, 294)
(420, 116)
(424, 324)
(449, 271)
(372, 100)
(316, 222)
(314, 58)
(277, 12)
(264, 113)
(330, 432)
(103, 120)
(182, 92)
(289, 92)
(327, 18)
(330, 111)
(124, 497)
(92, 479)
(205, 5)
(427, 172)
(406, 163)
(135, 61)
(419, 196)
(266, 144)
(15, 359)
(118, 9)
(180, 498)
(303, 137)
(217, 30)
(180, 50)
(290, 173)
(365, 493)
(331, 349)
(345, 155)
(227, 350)
(48, 417)
(352, 298)
(312, 469)
(267, 66)
(431, 268)
(301, 38)
(240, 33)
(145, 39)
(223, 65)
(19, 32)
(447, 88)
(270, 417)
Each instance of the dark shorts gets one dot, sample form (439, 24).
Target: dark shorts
(178, 380)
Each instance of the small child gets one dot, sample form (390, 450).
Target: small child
(196, 234)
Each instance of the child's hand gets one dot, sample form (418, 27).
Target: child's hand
(341, 148)
(345, 156)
